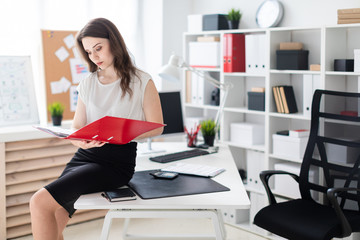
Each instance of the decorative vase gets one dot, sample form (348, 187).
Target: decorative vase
(209, 140)
(233, 24)
(56, 120)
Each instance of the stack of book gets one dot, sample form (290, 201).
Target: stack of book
(284, 99)
(351, 15)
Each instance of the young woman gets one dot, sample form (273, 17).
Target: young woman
(117, 88)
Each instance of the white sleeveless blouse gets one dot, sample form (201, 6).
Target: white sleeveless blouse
(105, 99)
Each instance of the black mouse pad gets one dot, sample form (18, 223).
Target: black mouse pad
(148, 187)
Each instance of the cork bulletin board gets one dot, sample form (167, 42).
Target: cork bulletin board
(64, 69)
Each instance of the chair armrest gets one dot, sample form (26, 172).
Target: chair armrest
(332, 194)
(265, 176)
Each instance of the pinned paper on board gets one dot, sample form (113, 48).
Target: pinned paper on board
(73, 98)
(76, 53)
(78, 70)
(69, 41)
(60, 86)
(62, 54)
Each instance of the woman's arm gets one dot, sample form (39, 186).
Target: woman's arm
(152, 110)
(79, 121)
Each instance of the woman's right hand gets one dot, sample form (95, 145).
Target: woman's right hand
(84, 144)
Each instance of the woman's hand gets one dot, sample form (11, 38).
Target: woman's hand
(84, 144)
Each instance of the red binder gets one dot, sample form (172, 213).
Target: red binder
(108, 129)
(234, 52)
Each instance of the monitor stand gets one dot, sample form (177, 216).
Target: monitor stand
(149, 149)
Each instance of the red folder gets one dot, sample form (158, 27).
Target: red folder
(234, 52)
(108, 129)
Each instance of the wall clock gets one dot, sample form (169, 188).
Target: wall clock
(269, 14)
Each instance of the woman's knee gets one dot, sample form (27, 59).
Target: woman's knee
(42, 200)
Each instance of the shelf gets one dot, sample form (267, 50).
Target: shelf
(211, 107)
(260, 148)
(342, 73)
(246, 226)
(299, 116)
(208, 69)
(342, 122)
(251, 189)
(244, 74)
(290, 159)
(352, 25)
(243, 110)
(294, 71)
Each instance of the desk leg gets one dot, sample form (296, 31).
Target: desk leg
(219, 225)
(106, 226)
(125, 228)
(214, 215)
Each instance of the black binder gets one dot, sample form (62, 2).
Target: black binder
(148, 187)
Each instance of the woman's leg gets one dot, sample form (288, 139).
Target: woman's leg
(62, 218)
(47, 219)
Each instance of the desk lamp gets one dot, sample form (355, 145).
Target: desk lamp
(171, 72)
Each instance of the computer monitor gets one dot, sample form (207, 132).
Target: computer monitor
(172, 115)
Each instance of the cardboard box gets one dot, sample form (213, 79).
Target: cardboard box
(256, 101)
(292, 147)
(292, 59)
(204, 54)
(208, 39)
(315, 67)
(291, 46)
(247, 133)
(215, 22)
(285, 185)
(195, 23)
(342, 154)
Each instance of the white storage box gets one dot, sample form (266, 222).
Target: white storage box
(247, 133)
(287, 186)
(204, 54)
(291, 147)
(195, 23)
(341, 154)
(356, 60)
(255, 163)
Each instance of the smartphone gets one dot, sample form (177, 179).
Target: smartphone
(164, 175)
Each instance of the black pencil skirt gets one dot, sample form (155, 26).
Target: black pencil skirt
(94, 170)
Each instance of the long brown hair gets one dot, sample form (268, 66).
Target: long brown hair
(103, 28)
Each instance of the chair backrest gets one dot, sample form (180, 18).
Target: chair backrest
(333, 149)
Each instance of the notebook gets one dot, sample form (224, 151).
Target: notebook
(120, 194)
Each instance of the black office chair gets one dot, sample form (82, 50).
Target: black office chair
(336, 213)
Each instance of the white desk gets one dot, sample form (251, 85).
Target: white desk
(192, 206)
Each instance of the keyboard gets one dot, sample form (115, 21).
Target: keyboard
(179, 155)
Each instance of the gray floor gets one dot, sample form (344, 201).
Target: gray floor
(91, 230)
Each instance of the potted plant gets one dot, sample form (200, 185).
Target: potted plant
(208, 130)
(56, 110)
(233, 17)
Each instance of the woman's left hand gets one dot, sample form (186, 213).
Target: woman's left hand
(84, 144)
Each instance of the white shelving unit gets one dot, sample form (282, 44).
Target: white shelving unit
(324, 44)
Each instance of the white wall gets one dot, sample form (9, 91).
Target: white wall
(296, 12)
